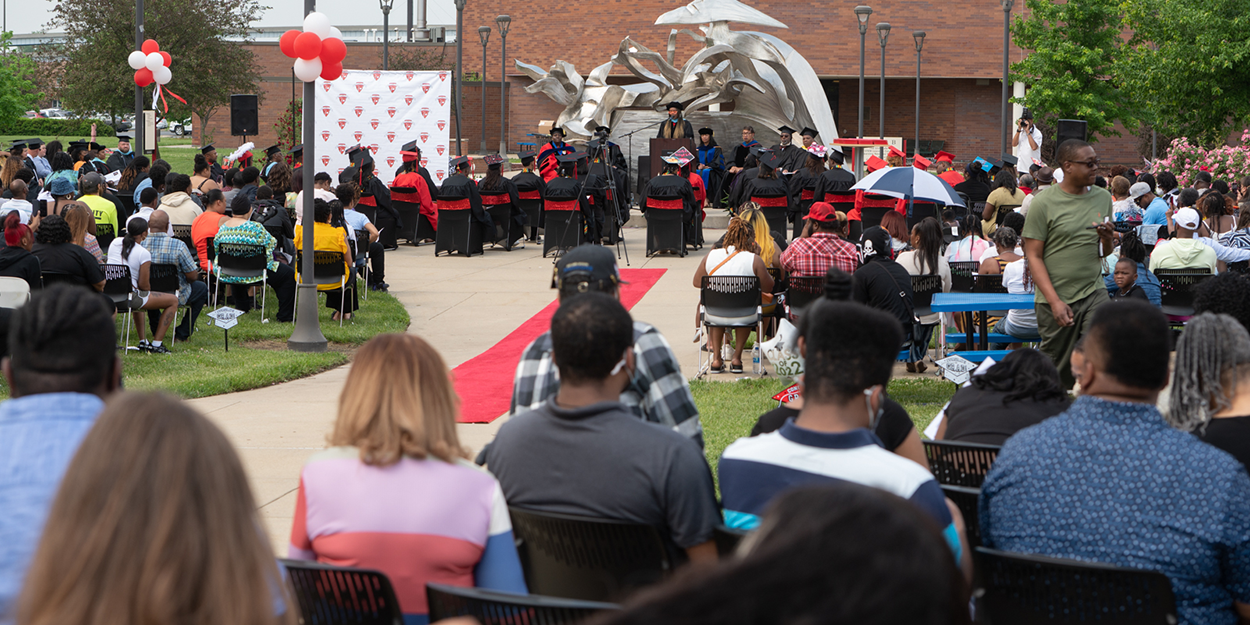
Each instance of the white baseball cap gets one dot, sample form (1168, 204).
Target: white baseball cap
(1187, 218)
(1138, 189)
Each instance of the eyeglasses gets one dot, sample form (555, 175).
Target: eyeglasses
(1092, 164)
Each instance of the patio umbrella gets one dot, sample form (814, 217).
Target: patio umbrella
(910, 183)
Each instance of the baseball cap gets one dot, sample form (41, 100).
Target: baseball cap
(1138, 189)
(592, 265)
(822, 211)
(1186, 218)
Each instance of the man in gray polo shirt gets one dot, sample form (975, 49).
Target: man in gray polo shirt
(584, 452)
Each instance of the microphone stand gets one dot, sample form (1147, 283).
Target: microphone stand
(630, 137)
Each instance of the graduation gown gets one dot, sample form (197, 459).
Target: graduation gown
(216, 173)
(374, 193)
(422, 196)
(714, 173)
(737, 195)
(118, 161)
(669, 187)
(680, 129)
(460, 187)
(531, 186)
(506, 194)
(563, 189)
(547, 165)
(802, 191)
(769, 193)
(792, 157)
(836, 179)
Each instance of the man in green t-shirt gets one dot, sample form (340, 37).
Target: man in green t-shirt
(101, 208)
(1066, 234)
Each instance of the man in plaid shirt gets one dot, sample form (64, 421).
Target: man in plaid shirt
(813, 255)
(191, 290)
(658, 391)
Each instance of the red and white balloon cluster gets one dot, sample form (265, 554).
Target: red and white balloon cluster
(151, 64)
(318, 50)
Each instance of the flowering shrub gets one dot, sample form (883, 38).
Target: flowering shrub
(1185, 160)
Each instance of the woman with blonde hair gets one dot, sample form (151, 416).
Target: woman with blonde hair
(9, 170)
(81, 227)
(769, 251)
(154, 522)
(738, 257)
(395, 492)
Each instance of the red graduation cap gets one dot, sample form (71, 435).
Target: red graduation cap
(874, 163)
(897, 152)
(944, 156)
(920, 162)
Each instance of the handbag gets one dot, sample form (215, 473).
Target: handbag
(765, 298)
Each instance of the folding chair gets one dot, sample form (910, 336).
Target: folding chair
(14, 292)
(104, 236)
(803, 290)
(333, 595)
(163, 278)
(960, 464)
(966, 498)
(492, 607)
(532, 204)
(923, 287)
(362, 252)
(963, 275)
(408, 213)
(330, 268)
(1177, 287)
(727, 302)
(872, 207)
(563, 229)
(119, 287)
(49, 278)
(918, 211)
(242, 260)
(774, 209)
(666, 226)
(456, 231)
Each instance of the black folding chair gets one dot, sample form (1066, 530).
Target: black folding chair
(801, 293)
(562, 229)
(330, 268)
(665, 231)
(119, 287)
(960, 464)
(919, 210)
(989, 283)
(965, 498)
(923, 287)
(49, 278)
(339, 595)
(457, 233)
(577, 557)
(104, 235)
(361, 252)
(408, 212)
(727, 302)
(491, 607)
(1177, 287)
(163, 278)
(963, 275)
(1034, 590)
(241, 260)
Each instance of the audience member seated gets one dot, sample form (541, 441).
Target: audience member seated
(658, 391)
(206, 226)
(1021, 390)
(895, 428)
(61, 365)
(1006, 245)
(1110, 480)
(800, 567)
(102, 210)
(831, 440)
(1126, 280)
(821, 246)
(1210, 393)
(1123, 208)
(976, 184)
(81, 223)
(149, 202)
(202, 176)
(57, 254)
(969, 246)
(270, 213)
(738, 257)
(1215, 215)
(16, 261)
(1227, 293)
(126, 250)
(925, 258)
(18, 203)
(240, 229)
(1131, 248)
(327, 238)
(1239, 238)
(177, 201)
(394, 492)
(895, 225)
(584, 452)
(882, 283)
(192, 291)
(1184, 251)
(323, 189)
(348, 195)
(1005, 193)
(154, 522)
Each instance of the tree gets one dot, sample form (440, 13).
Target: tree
(202, 37)
(1074, 49)
(17, 92)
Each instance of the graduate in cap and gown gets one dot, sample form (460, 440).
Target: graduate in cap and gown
(711, 166)
(121, 157)
(568, 188)
(768, 189)
(497, 190)
(945, 164)
(273, 156)
(214, 168)
(671, 190)
(373, 192)
(409, 177)
(792, 156)
(530, 186)
(676, 126)
(36, 161)
(547, 155)
(459, 188)
(833, 179)
(803, 185)
(411, 146)
(737, 193)
(297, 167)
(91, 160)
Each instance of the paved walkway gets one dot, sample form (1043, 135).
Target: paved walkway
(462, 306)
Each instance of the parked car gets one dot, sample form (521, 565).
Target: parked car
(181, 128)
(33, 115)
(54, 112)
(162, 123)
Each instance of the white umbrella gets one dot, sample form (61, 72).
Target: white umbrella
(910, 183)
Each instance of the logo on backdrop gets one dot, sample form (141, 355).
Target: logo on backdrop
(440, 149)
(373, 147)
(425, 87)
(425, 112)
(390, 136)
(359, 110)
(342, 97)
(442, 100)
(390, 111)
(392, 87)
(375, 97)
(342, 147)
(360, 86)
(342, 123)
(325, 110)
(408, 100)
(358, 135)
(407, 124)
(424, 161)
(440, 173)
(325, 159)
(325, 86)
(408, 75)
(377, 75)
(325, 135)
(374, 123)
(425, 136)
(442, 76)
(390, 161)
(442, 124)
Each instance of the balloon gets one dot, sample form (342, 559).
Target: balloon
(331, 71)
(308, 46)
(143, 77)
(333, 51)
(287, 42)
(335, 33)
(149, 46)
(165, 58)
(307, 70)
(137, 60)
(317, 23)
(162, 75)
(154, 60)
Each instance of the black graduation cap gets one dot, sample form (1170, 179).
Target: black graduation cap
(606, 129)
(572, 157)
(95, 146)
(359, 156)
(527, 155)
(836, 156)
(757, 150)
(458, 161)
(297, 149)
(208, 148)
(809, 132)
(493, 160)
(706, 131)
(34, 143)
(555, 129)
(18, 145)
(273, 149)
(771, 161)
(675, 105)
(786, 130)
(411, 146)
(125, 138)
(1010, 160)
(995, 166)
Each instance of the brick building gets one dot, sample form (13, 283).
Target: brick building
(960, 72)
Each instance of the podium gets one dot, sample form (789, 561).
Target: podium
(659, 147)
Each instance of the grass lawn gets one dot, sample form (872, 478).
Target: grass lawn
(728, 410)
(180, 158)
(258, 355)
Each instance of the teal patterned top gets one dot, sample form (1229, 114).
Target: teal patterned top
(248, 233)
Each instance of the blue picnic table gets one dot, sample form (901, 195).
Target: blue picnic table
(969, 303)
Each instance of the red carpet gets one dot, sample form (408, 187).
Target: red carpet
(484, 382)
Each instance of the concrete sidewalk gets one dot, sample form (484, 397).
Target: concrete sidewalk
(462, 306)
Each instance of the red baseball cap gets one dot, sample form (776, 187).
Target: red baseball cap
(822, 211)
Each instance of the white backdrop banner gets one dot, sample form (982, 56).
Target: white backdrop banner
(382, 111)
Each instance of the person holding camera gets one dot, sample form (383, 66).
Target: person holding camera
(1029, 146)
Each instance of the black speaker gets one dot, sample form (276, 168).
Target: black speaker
(1070, 129)
(243, 119)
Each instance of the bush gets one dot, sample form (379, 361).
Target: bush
(1185, 160)
(55, 127)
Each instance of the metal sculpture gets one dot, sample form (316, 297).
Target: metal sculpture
(768, 81)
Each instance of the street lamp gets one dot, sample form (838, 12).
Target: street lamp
(386, 32)
(918, 36)
(504, 22)
(306, 336)
(459, 70)
(883, 33)
(483, 33)
(1007, 4)
(861, 14)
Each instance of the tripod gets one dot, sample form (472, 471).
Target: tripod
(599, 148)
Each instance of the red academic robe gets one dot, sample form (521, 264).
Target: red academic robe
(422, 196)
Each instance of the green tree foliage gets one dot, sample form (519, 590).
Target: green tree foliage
(202, 37)
(1074, 48)
(17, 93)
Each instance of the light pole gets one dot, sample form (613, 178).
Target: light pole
(386, 32)
(504, 22)
(409, 21)
(883, 33)
(861, 14)
(1007, 4)
(918, 36)
(307, 336)
(138, 90)
(459, 70)
(483, 33)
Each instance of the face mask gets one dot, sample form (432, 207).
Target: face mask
(873, 416)
(621, 365)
